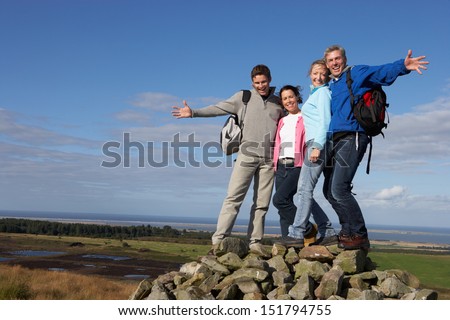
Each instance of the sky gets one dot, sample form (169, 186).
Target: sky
(87, 88)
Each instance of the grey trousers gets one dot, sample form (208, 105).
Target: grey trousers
(246, 169)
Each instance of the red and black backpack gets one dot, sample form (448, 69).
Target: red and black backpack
(370, 110)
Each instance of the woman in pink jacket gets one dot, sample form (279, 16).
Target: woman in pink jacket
(288, 157)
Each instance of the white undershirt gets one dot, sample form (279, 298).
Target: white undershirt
(287, 136)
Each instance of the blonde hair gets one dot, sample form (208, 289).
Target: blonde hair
(320, 62)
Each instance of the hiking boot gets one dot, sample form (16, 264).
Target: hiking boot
(353, 242)
(343, 238)
(290, 242)
(311, 230)
(310, 234)
(326, 241)
(258, 249)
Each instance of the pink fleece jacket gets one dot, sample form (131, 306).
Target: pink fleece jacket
(300, 143)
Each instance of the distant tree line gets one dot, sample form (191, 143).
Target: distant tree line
(11, 225)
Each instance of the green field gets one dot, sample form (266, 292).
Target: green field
(432, 270)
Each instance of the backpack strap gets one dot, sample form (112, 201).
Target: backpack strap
(349, 82)
(370, 155)
(246, 95)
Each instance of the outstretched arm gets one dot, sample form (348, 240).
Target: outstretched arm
(415, 63)
(182, 112)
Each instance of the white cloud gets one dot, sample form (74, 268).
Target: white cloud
(415, 141)
(163, 102)
(11, 128)
(391, 193)
(132, 116)
(155, 101)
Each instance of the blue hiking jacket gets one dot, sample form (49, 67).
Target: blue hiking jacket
(364, 78)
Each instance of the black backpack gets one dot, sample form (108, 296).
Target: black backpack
(370, 110)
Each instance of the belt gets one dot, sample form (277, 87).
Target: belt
(344, 134)
(286, 160)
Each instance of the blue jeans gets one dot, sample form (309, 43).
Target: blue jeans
(306, 205)
(347, 153)
(286, 178)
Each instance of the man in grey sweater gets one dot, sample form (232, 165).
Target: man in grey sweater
(254, 159)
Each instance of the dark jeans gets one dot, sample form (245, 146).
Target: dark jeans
(286, 179)
(347, 153)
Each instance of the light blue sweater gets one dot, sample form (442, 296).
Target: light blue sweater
(316, 112)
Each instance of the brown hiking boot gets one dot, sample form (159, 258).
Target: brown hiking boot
(353, 242)
(343, 238)
(310, 235)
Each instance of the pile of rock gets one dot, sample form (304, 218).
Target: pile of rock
(316, 272)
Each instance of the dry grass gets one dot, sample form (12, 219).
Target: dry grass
(17, 283)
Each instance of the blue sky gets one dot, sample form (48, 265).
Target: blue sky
(76, 75)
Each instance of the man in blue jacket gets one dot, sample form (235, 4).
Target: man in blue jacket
(349, 139)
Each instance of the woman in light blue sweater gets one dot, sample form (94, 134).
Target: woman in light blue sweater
(316, 116)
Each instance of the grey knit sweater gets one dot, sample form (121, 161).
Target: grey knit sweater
(260, 121)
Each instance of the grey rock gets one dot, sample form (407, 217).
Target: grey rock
(371, 295)
(356, 282)
(277, 263)
(256, 263)
(254, 296)
(351, 261)
(330, 284)
(314, 269)
(291, 257)
(231, 260)
(210, 282)
(426, 294)
(235, 245)
(316, 253)
(248, 286)
(158, 293)
(143, 290)
(405, 277)
(303, 289)
(278, 250)
(228, 293)
(394, 288)
(281, 277)
(192, 293)
(214, 265)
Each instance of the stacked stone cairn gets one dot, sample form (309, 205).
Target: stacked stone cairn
(315, 272)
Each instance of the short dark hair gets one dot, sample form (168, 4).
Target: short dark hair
(261, 69)
(296, 91)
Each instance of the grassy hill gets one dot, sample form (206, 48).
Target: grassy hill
(154, 255)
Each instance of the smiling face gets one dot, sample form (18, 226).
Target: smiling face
(336, 62)
(290, 101)
(261, 83)
(318, 75)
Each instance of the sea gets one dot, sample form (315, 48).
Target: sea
(417, 234)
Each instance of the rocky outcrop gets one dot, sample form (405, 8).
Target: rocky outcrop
(315, 272)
